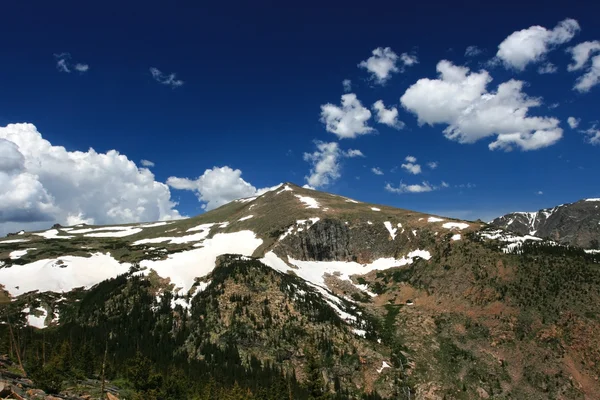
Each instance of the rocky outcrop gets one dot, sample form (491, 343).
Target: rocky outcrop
(576, 224)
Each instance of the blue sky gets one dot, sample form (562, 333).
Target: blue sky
(249, 85)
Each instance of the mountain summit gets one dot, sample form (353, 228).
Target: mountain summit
(304, 294)
(575, 224)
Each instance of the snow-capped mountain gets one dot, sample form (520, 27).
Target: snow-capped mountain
(576, 224)
(381, 301)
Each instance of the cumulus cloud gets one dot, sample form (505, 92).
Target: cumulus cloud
(351, 153)
(410, 159)
(459, 98)
(547, 68)
(217, 186)
(348, 121)
(347, 85)
(433, 164)
(166, 79)
(45, 183)
(326, 163)
(593, 135)
(415, 188)
(381, 64)
(411, 167)
(573, 122)
(63, 64)
(582, 57)
(377, 171)
(408, 59)
(387, 116)
(530, 45)
(473, 51)
(147, 163)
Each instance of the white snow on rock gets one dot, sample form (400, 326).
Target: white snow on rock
(196, 237)
(101, 229)
(245, 218)
(286, 188)
(352, 201)
(434, 219)
(375, 209)
(14, 241)
(36, 322)
(61, 274)
(21, 232)
(315, 271)
(457, 225)
(592, 251)
(204, 227)
(392, 231)
(154, 224)
(384, 365)
(15, 255)
(247, 200)
(309, 201)
(52, 234)
(369, 222)
(224, 224)
(359, 332)
(592, 199)
(504, 236)
(121, 233)
(184, 267)
(456, 237)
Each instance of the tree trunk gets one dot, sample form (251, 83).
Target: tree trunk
(16, 344)
(104, 368)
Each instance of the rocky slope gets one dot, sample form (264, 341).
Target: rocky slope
(300, 293)
(575, 224)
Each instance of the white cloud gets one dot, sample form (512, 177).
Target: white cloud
(414, 169)
(351, 153)
(409, 59)
(416, 188)
(410, 159)
(530, 45)
(539, 193)
(81, 67)
(433, 164)
(459, 99)
(325, 164)
(582, 54)
(573, 122)
(147, 163)
(386, 116)
(63, 64)
(593, 135)
(165, 79)
(217, 186)
(547, 68)
(347, 84)
(473, 51)
(43, 183)
(348, 121)
(381, 64)
(377, 171)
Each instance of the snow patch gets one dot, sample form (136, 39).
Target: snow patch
(52, 234)
(245, 218)
(375, 209)
(15, 255)
(457, 225)
(61, 274)
(384, 365)
(203, 227)
(184, 267)
(37, 322)
(286, 188)
(434, 219)
(121, 233)
(14, 241)
(392, 231)
(455, 237)
(309, 201)
(359, 332)
(592, 199)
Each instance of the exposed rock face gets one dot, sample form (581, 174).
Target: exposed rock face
(327, 240)
(576, 224)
